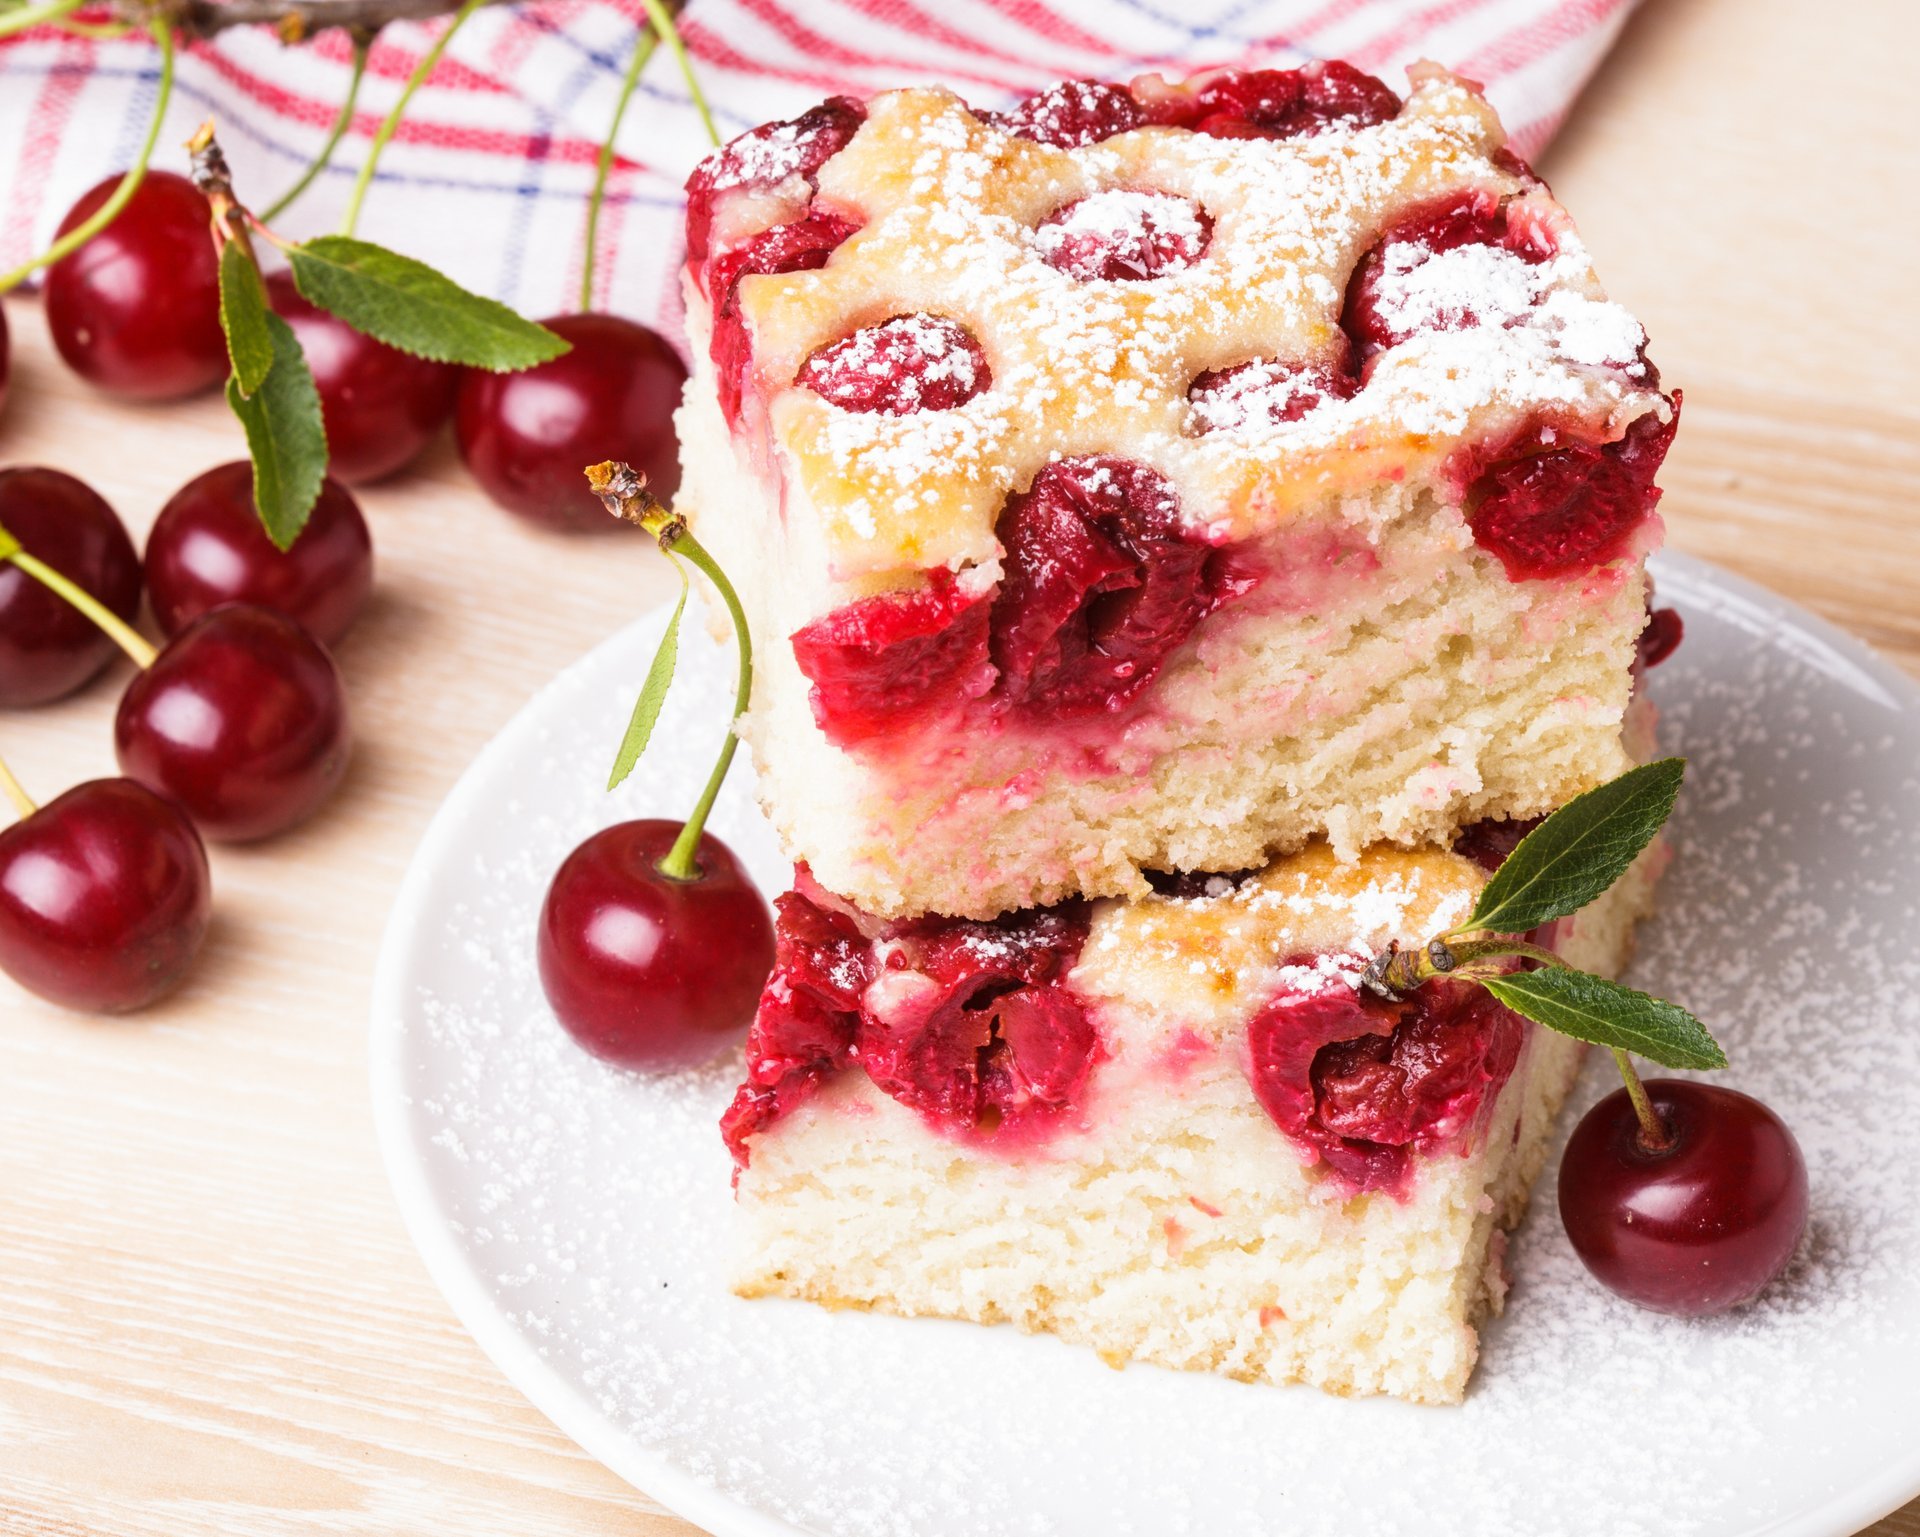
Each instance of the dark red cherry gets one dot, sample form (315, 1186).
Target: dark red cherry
(48, 648)
(645, 970)
(104, 897)
(242, 719)
(907, 364)
(136, 310)
(207, 548)
(6, 359)
(526, 436)
(381, 406)
(1698, 1227)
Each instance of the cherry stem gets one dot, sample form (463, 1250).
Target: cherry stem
(362, 46)
(11, 787)
(1653, 1136)
(211, 176)
(391, 122)
(643, 47)
(35, 15)
(123, 634)
(129, 184)
(662, 19)
(625, 495)
(1395, 972)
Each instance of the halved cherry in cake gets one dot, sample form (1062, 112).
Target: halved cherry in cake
(967, 1023)
(1073, 114)
(1365, 1085)
(801, 246)
(888, 661)
(1102, 583)
(1292, 103)
(1123, 234)
(1549, 509)
(1233, 103)
(978, 1035)
(1440, 269)
(907, 364)
(1263, 392)
(761, 161)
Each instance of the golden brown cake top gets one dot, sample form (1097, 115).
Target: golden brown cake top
(962, 219)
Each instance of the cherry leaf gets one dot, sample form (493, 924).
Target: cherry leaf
(1579, 851)
(285, 437)
(243, 316)
(1604, 1013)
(653, 693)
(408, 305)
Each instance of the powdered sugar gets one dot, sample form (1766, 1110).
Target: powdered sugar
(1263, 236)
(580, 1215)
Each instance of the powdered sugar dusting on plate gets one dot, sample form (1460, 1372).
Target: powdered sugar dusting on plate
(580, 1215)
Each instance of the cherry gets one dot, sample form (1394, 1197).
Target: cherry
(906, 364)
(48, 649)
(1123, 235)
(136, 310)
(526, 435)
(646, 970)
(381, 406)
(1694, 1227)
(653, 942)
(1263, 392)
(6, 357)
(207, 548)
(104, 897)
(242, 719)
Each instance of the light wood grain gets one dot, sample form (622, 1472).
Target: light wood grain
(211, 1321)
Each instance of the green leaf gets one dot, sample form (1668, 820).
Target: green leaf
(284, 436)
(1579, 851)
(243, 316)
(406, 304)
(653, 693)
(1591, 1008)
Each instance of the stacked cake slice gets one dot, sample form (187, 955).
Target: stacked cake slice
(1169, 516)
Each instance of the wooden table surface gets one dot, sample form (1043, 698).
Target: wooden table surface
(211, 1321)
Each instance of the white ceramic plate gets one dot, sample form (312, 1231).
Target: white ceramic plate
(577, 1217)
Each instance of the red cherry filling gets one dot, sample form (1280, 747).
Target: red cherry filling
(1364, 1085)
(1125, 235)
(1659, 640)
(1411, 282)
(1102, 583)
(891, 660)
(1262, 392)
(1548, 511)
(761, 160)
(1234, 103)
(906, 364)
(1292, 103)
(966, 1023)
(1488, 843)
(802, 246)
(1073, 114)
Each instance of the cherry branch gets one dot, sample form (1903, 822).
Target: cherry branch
(293, 19)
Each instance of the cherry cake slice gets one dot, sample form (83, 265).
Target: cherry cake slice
(1159, 476)
(1172, 1128)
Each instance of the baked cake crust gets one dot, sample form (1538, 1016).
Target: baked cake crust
(1293, 614)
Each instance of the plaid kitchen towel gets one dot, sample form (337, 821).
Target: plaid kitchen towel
(489, 173)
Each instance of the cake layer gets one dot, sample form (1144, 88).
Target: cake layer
(1159, 478)
(1186, 1189)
